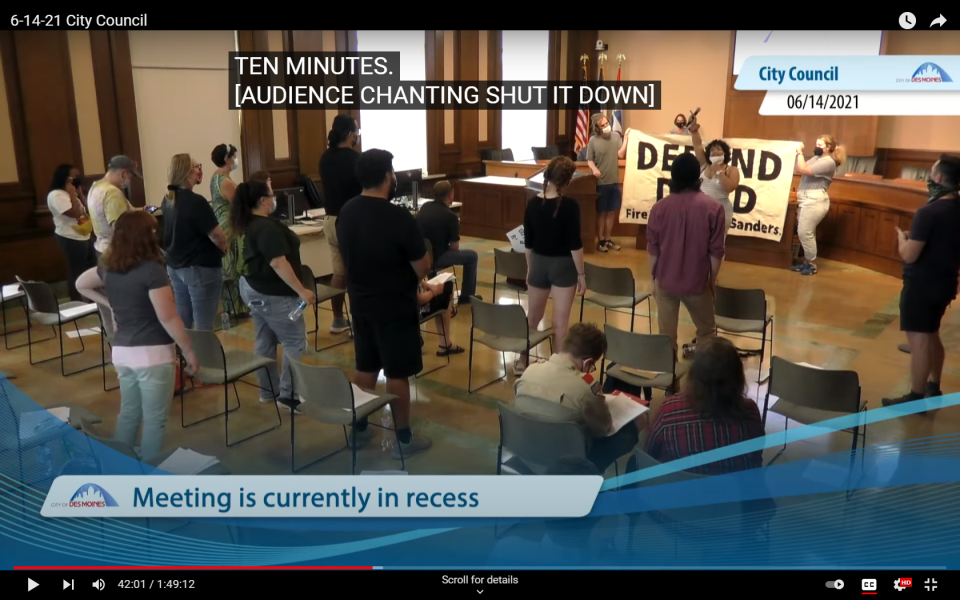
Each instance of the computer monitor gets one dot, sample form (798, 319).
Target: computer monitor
(405, 181)
(300, 203)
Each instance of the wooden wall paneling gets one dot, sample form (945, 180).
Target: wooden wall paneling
(104, 81)
(494, 73)
(891, 161)
(467, 60)
(347, 42)
(433, 54)
(46, 85)
(311, 125)
(257, 131)
(554, 56)
(580, 42)
(126, 115)
(19, 193)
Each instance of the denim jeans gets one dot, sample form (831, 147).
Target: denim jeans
(197, 292)
(145, 396)
(467, 259)
(272, 326)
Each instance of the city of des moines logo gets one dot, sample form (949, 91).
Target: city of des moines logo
(930, 73)
(91, 495)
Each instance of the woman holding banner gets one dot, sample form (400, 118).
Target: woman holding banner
(813, 203)
(718, 177)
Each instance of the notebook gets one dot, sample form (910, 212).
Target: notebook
(623, 410)
(78, 311)
(35, 422)
(187, 462)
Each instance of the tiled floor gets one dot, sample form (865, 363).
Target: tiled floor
(843, 318)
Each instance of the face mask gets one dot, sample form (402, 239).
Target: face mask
(818, 151)
(716, 159)
(935, 190)
(355, 141)
(607, 130)
(76, 182)
(679, 124)
(235, 165)
(393, 189)
(273, 204)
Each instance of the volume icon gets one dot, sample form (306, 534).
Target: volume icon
(99, 584)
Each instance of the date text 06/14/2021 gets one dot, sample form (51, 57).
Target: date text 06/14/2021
(823, 101)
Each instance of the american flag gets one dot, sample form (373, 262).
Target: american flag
(617, 112)
(583, 122)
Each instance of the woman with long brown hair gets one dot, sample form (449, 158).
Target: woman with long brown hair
(551, 228)
(713, 411)
(132, 282)
(813, 203)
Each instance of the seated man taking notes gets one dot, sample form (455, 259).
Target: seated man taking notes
(565, 380)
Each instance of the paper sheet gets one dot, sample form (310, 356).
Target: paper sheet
(84, 332)
(639, 373)
(360, 397)
(187, 462)
(35, 422)
(76, 311)
(517, 240)
(623, 410)
(11, 291)
(442, 278)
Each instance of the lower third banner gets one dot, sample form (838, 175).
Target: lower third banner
(759, 202)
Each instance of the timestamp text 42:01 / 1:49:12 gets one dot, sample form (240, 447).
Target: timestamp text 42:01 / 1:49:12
(157, 584)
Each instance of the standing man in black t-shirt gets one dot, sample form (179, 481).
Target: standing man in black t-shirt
(931, 264)
(385, 259)
(339, 180)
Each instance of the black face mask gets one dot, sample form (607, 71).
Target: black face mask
(936, 190)
(680, 124)
(393, 189)
(76, 182)
(818, 151)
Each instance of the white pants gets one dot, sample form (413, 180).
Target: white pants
(812, 207)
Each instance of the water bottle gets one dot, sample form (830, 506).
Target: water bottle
(295, 313)
(387, 423)
(225, 321)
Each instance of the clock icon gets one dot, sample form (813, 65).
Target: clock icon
(907, 20)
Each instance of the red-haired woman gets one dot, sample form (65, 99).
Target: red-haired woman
(138, 292)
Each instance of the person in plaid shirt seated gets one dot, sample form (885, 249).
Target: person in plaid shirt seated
(713, 411)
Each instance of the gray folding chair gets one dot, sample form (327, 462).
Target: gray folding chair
(45, 310)
(326, 395)
(614, 289)
(536, 443)
(442, 335)
(502, 327)
(808, 395)
(744, 312)
(324, 293)
(224, 368)
(732, 521)
(511, 265)
(643, 352)
(107, 334)
(231, 292)
(10, 296)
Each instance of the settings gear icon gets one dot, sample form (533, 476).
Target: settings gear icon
(897, 586)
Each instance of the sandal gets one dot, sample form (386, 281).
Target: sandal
(450, 350)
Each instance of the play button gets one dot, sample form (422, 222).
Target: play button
(31, 584)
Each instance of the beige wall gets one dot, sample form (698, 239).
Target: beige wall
(692, 65)
(181, 84)
(921, 133)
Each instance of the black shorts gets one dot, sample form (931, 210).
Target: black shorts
(387, 343)
(438, 303)
(922, 307)
(609, 198)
